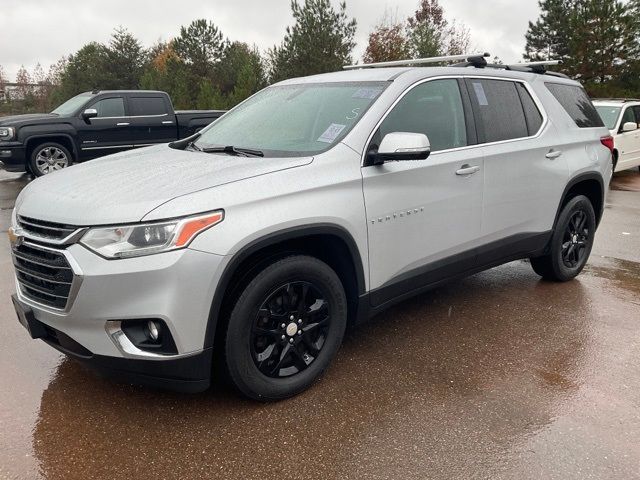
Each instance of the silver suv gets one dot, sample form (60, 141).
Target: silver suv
(311, 206)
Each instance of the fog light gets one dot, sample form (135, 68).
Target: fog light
(154, 330)
(148, 334)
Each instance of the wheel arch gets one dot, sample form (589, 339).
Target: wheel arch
(589, 184)
(62, 138)
(330, 243)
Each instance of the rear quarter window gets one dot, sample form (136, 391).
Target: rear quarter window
(577, 104)
(531, 113)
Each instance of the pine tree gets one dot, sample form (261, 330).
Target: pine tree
(595, 39)
(247, 83)
(126, 58)
(602, 40)
(321, 40)
(201, 46)
(209, 97)
(240, 61)
(549, 37)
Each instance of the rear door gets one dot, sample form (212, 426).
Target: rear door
(107, 133)
(423, 216)
(152, 119)
(525, 171)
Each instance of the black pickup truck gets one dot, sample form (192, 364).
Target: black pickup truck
(94, 124)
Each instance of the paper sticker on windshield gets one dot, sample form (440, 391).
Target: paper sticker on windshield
(369, 93)
(331, 133)
(482, 98)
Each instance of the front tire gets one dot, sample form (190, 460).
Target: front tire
(49, 157)
(571, 242)
(285, 329)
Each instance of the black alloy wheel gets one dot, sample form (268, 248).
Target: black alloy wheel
(290, 329)
(576, 239)
(285, 328)
(571, 242)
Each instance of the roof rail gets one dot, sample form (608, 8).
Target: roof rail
(536, 63)
(535, 67)
(475, 59)
(529, 67)
(614, 99)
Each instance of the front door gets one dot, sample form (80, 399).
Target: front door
(424, 216)
(108, 132)
(628, 143)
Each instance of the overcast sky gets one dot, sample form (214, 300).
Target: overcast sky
(33, 31)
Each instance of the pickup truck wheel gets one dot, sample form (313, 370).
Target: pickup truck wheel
(571, 242)
(285, 328)
(49, 157)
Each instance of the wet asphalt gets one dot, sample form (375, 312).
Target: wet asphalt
(500, 375)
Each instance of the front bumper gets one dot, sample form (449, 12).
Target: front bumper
(12, 156)
(176, 287)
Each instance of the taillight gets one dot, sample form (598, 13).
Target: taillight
(607, 142)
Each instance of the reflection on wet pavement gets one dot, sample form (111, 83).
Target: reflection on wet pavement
(500, 375)
(458, 382)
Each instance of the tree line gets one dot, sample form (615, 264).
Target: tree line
(597, 41)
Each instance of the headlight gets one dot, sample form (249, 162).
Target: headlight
(6, 133)
(148, 238)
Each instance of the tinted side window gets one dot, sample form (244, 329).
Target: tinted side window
(637, 112)
(531, 113)
(500, 109)
(577, 104)
(110, 107)
(141, 106)
(433, 108)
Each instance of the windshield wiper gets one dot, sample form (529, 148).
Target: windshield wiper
(231, 150)
(193, 146)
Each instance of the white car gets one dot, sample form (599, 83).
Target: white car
(621, 117)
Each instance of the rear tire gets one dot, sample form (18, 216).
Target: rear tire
(571, 242)
(286, 328)
(49, 157)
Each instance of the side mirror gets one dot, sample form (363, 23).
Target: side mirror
(629, 126)
(401, 146)
(89, 113)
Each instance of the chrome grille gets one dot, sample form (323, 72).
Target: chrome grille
(45, 230)
(44, 275)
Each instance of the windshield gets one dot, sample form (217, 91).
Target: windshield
(609, 115)
(293, 120)
(72, 105)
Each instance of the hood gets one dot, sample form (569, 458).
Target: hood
(124, 187)
(26, 118)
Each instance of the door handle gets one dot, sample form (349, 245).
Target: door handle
(167, 122)
(122, 124)
(467, 170)
(553, 154)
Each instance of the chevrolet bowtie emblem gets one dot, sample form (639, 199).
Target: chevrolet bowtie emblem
(14, 239)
